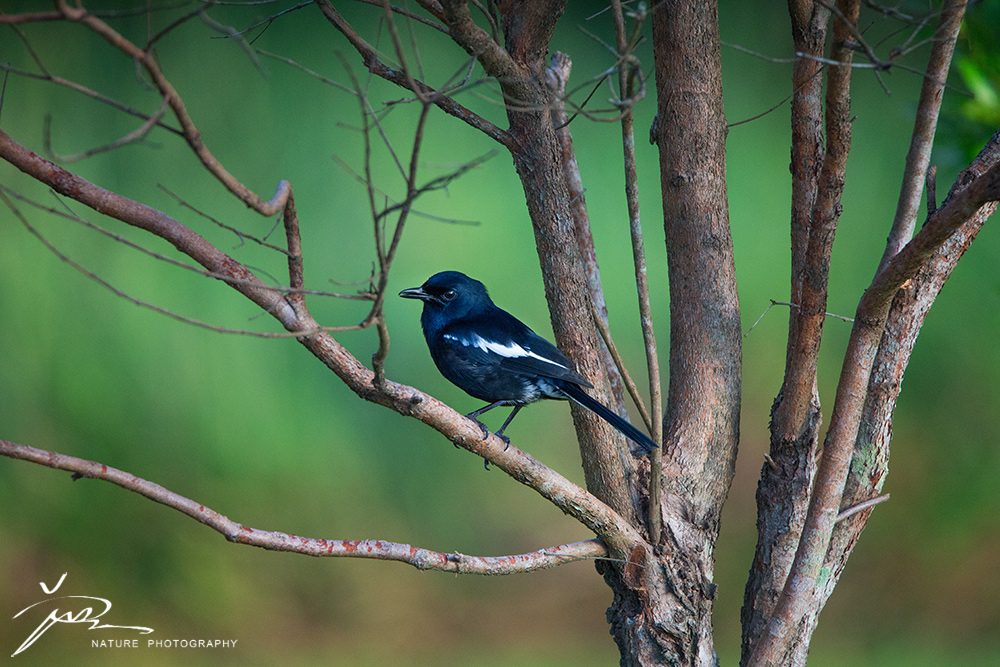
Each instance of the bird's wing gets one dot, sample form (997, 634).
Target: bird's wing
(508, 342)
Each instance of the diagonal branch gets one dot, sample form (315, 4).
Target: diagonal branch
(851, 391)
(422, 90)
(610, 526)
(919, 156)
(422, 559)
(191, 134)
(497, 62)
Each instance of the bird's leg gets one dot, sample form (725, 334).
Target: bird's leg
(500, 434)
(473, 416)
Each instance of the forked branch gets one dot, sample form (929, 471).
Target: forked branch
(614, 530)
(374, 65)
(851, 390)
(80, 15)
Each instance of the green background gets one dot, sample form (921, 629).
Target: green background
(260, 431)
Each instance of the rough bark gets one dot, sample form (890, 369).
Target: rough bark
(786, 478)
(818, 177)
(701, 421)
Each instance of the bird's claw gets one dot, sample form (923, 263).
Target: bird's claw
(506, 440)
(486, 434)
(482, 427)
(506, 444)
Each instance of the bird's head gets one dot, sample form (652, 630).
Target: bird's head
(450, 294)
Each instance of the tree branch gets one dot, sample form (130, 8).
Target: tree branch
(422, 559)
(139, 215)
(919, 156)
(615, 531)
(810, 277)
(505, 67)
(798, 592)
(701, 421)
(422, 90)
(626, 81)
(191, 133)
(557, 76)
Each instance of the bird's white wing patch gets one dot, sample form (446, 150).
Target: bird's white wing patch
(510, 350)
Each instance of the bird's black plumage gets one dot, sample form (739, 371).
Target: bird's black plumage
(493, 356)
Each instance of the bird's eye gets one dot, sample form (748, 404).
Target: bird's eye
(449, 295)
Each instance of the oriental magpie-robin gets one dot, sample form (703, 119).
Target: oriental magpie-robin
(493, 356)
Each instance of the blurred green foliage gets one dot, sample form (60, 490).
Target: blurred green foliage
(977, 63)
(258, 430)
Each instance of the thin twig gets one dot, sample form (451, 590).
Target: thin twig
(132, 136)
(851, 511)
(283, 289)
(378, 68)
(630, 386)
(408, 14)
(626, 81)
(139, 302)
(103, 99)
(779, 104)
(242, 236)
(791, 305)
(166, 89)
(269, 20)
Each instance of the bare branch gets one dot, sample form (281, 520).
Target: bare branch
(626, 82)
(610, 526)
(134, 135)
(798, 387)
(408, 14)
(191, 133)
(919, 156)
(153, 221)
(121, 294)
(844, 422)
(30, 17)
(283, 289)
(377, 67)
(783, 491)
(860, 507)
(242, 236)
(422, 559)
(791, 305)
(306, 70)
(497, 62)
(6, 67)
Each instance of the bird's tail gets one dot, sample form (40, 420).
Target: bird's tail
(583, 398)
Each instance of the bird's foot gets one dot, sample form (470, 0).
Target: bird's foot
(486, 432)
(506, 440)
(481, 425)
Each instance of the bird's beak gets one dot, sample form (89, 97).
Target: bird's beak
(415, 293)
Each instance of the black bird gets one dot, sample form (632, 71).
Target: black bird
(493, 356)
